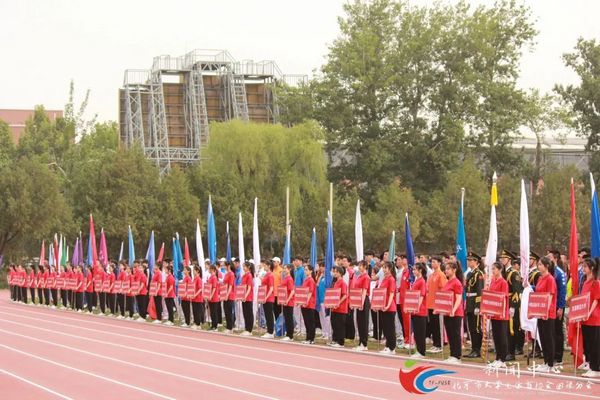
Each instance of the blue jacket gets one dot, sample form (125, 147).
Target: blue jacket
(561, 287)
(299, 276)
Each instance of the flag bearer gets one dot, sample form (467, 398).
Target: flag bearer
(474, 286)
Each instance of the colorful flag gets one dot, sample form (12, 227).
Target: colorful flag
(51, 259)
(177, 259)
(186, 251)
(103, 253)
(241, 252)
(410, 250)
(595, 221)
(55, 252)
(287, 250)
(492, 244)
(161, 253)
(358, 234)
(60, 252)
(211, 234)
(313, 248)
(200, 251)
(43, 253)
(573, 265)
(524, 247)
(80, 251)
(228, 251)
(65, 253)
(329, 252)
(131, 246)
(75, 260)
(92, 244)
(392, 249)
(255, 238)
(461, 236)
(150, 256)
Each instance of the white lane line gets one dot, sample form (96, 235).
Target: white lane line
(221, 353)
(44, 388)
(211, 365)
(76, 369)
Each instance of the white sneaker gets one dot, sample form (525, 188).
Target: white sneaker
(542, 368)
(417, 355)
(140, 319)
(228, 331)
(591, 374)
(285, 339)
(169, 323)
(245, 333)
(585, 365)
(360, 347)
(267, 336)
(156, 321)
(335, 345)
(500, 364)
(53, 307)
(386, 351)
(452, 360)
(184, 325)
(120, 317)
(434, 349)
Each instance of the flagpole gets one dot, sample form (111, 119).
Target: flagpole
(287, 206)
(331, 199)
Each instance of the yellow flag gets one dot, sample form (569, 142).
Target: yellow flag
(494, 197)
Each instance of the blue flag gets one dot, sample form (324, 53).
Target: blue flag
(410, 250)
(287, 249)
(211, 234)
(228, 252)
(90, 259)
(595, 222)
(179, 275)
(461, 237)
(150, 256)
(131, 247)
(329, 253)
(313, 249)
(392, 249)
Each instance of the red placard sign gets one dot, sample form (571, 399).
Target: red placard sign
(411, 301)
(98, 285)
(223, 292)
(282, 295)
(301, 296)
(72, 284)
(443, 303)
(50, 282)
(106, 286)
(135, 288)
(240, 292)
(125, 287)
(378, 299)
(355, 296)
(493, 304)
(117, 287)
(332, 297)
(182, 291)
(60, 283)
(262, 295)
(190, 291)
(153, 288)
(206, 289)
(29, 282)
(163, 289)
(579, 307)
(539, 305)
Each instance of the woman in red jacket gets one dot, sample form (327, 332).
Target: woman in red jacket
(229, 282)
(453, 322)
(363, 282)
(247, 280)
(288, 308)
(198, 299)
(110, 294)
(38, 283)
(46, 275)
(338, 314)
(419, 319)
(500, 324)
(170, 296)
(31, 282)
(213, 300)
(268, 282)
(388, 314)
(121, 295)
(547, 284)
(129, 296)
(79, 288)
(53, 291)
(89, 288)
(186, 302)
(157, 281)
(308, 310)
(142, 294)
(591, 326)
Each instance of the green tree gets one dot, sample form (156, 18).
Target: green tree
(7, 147)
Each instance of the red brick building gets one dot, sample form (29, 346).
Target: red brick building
(16, 120)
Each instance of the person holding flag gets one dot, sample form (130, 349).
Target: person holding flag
(499, 324)
(89, 289)
(38, 280)
(453, 321)
(591, 326)
(419, 318)
(170, 295)
(474, 286)
(545, 328)
(403, 284)
(79, 288)
(516, 337)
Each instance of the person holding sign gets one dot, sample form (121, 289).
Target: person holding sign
(248, 297)
(129, 295)
(547, 284)
(308, 309)
(474, 285)
(89, 289)
(338, 314)
(214, 303)
(110, 296)
(170, 295)
(120, 293)
(388, 314)
(229, 282)
(198, 299)
(591, 326)
(419, 318)
(79, 287)
(500, 324)
(31, 280)
(38, 281)
(288, 308)
(185, 301)
(47, 289)
(268, 281)
(157, 283)
(453, 321)
(142, 294)
(435, 281)
(363, 283)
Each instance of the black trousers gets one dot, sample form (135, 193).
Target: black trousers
(547, 337)
(220, 313)
(269, 316)
(93, 298)
(121, 303)
(452, 326)
(338, 327)
(474, 325)
(228, 306)
(69, 298)
(388, 326)
(63, 296)
(186, 307)
(32, 292)
(317, 320)
(198, 311)
(362, 322)
(214, 310)
(308, 315)
(54, 293)
(129, 305)
(248, 315)
(377, 333)
(591, 349)
(89, 303)
(434, 321)
(350, 330)
(40, 295)
(158, 307)
(102, 300)
(419, 326)
(79, 300)
(559, 344)
(47, 297)
(500, 334)
(170, 303)
(24, 294)
(288, 315)
(517, 339)
(110, 301)
(276, 309)
(142, 303)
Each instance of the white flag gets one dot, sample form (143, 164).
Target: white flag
(255, 240)
(200, 252)
(358, 234)
(524, 235)
(242, 256)
(492, 244)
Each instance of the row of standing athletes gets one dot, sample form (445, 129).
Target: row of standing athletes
(119, 294)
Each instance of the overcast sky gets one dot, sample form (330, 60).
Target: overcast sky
(47, 43)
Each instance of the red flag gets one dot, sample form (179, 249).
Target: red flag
(43, 253)
(93, 242)
(575, 342)
(186, 257)
(56, 260)
(161, 253)
(152, 308)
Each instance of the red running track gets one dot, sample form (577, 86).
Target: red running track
(46, 353)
